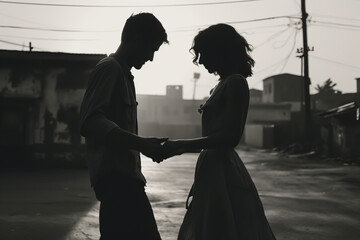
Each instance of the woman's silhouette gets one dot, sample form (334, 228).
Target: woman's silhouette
(225, 203)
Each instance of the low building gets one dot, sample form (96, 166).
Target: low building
(340, 132)
(40, 95)
(169, 115)
(255, 95)
(323, 101)
(284, 88)
(268, 125)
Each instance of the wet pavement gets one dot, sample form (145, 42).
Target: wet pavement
(304, 199)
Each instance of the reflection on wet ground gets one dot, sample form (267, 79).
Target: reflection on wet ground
(303, 198)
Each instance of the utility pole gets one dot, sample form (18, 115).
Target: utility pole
(30, 47)
(196, 78)
(308, 117)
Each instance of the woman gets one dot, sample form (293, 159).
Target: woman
(225, 203)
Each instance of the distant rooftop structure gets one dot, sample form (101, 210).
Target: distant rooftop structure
(349, 108)
(255, 95)
(285, 88)
(174, 91)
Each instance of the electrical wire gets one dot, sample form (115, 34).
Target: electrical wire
(12, 43)
(264, 19)
(336, 24)
(241, 30)
(55, 30)
(335, 27)
(50, 39)
(291, 51)
(125, 6)
(285, 42)
(23, 20)
(336, 17)
(270, 66)
(335, 62)
(273, 36)
(117, 30)
(18, 44)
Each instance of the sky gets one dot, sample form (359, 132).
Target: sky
(272, 27)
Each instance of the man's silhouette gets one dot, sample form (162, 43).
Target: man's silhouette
(108, 120)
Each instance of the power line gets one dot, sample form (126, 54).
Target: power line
(263, 19)
(336, 17)
(335, 27)
(272, 65)
(286, 41)
(273, 36)
(268, 67)
(198, 27)
(261, 27)
(292, 49)
(18, 44)
(237, 28)
(335, 62)
(22, 19)
(336, 24)
(117, 30)
(50, 39)
(125, 6)
(12, 43)
(55, 30)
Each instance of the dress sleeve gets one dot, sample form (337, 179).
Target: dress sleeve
(96, 105)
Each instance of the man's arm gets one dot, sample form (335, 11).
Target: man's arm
(96, 125)
(103, 130)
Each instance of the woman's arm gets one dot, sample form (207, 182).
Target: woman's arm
(236, 91)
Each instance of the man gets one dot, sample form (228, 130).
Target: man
(109, 122)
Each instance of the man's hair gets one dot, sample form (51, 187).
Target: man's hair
(144, 27)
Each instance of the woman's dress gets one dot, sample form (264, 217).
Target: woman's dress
(225, 204)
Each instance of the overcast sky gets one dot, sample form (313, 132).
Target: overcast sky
(333, 31)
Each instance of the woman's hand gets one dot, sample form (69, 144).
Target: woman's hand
(172, 148)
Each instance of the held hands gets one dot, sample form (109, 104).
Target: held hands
(172, 148)
(152, 147)
(159, 149)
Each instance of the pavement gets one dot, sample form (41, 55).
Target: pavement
(304, 199)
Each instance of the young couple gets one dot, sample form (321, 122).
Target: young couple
(225, 204)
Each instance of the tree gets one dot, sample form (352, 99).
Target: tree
(328, 87)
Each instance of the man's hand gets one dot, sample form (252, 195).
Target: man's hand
(172, 148)
(152, 148)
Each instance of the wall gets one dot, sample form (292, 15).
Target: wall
(260, 135)
(268, 113)
(45, 100)
(167, 116)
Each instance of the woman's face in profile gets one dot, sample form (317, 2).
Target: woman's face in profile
(207, 62)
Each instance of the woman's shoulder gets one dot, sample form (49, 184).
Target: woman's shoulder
(236, 82)
(236, 79)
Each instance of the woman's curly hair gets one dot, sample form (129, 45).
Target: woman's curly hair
(227, 49)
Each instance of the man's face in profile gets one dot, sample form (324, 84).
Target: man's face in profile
(143, 53)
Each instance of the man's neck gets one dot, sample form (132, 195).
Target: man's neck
(121, 56)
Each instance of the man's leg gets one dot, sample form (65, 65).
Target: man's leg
(125, 212)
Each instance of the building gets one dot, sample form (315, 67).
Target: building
(324, 101)
(340, 132)
(284, 88)
(169, 115)
(40, 95)
(267, 125)
(255, 95)
(276, 119)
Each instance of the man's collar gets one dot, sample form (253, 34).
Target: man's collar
(124, 65)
